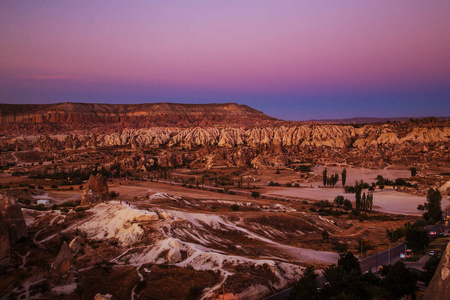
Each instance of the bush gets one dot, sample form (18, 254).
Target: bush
(420, 223)
(400, 182)
(347, 204)
(354, 214)
(288, 184)
(323, 203)
(54, 186)
(363, 217)
(340, 247)
(349, 189)
(255, 194)
(304, 169)
(70, 203)
(330, 212)
(194, 293)
(339, 200)
(234, 207)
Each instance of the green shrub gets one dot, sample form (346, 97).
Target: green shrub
(234, 207)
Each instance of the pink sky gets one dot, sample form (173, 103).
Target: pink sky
(273, 47)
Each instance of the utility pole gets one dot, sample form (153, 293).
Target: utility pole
(362, 247)
(392, 242)
(389, 255)
(376, 261)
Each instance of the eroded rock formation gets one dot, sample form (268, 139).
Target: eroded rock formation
(225, 134)
(62, 270)
(13, 218)
(96, 190)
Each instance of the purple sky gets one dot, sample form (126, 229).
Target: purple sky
(294, 60)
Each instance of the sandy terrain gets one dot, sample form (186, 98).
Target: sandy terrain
(367, 175)
(386, 201)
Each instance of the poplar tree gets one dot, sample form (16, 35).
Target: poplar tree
(344, 176)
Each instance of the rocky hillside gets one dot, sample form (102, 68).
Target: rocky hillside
(72, 116)
(369, 145)
(215, 134)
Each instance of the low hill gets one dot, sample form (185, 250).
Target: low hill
(81, 115)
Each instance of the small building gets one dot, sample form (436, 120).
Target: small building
(43, 202)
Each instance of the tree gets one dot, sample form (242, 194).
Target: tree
(358, 190)
(433, 206)
(365, 245)
(417, 238)
(395, 234)
(349, 262)
(430, 267)
(370, 201)
(364, 202)
(347, 204)
(324, 175)
(339, 200)
(334, 179)
(344, 176)
(307, 286)
(342, 282)
(255, 194)
(413, 171)
(399, 281)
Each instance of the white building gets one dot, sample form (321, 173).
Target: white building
(43, 202)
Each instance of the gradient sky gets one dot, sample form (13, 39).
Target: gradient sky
(295, 60)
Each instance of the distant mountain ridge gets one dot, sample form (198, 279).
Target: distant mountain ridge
(367, 120)
(140, 115)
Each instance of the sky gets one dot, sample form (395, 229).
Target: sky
(294, 60)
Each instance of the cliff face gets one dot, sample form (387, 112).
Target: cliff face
(439, 287)
(79, 115)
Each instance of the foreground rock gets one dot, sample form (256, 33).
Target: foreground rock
(5, 251)
(439, 287)
(13, 218)
(62, 270)
(75, 245)
(96, 190)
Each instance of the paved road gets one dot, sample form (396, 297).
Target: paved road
(382, 258)
(371, 262)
